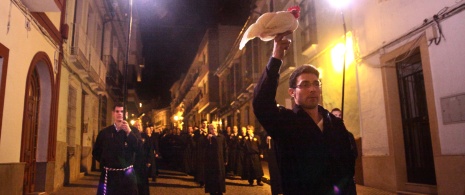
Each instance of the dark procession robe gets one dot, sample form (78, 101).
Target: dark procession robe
(201, 143)
(215, 173)
(115, 150)
(252, 166)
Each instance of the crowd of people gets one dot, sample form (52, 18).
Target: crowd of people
(134, 154)
(211, 155)
(310, 149)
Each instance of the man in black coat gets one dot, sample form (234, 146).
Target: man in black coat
(188, 155)
(217, 154)
(313, 145)
(144, 159)
(115, 149)
(233, 147)
(252, 166)
(155, 140)
(201, 142)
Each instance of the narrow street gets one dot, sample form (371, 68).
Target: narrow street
(168, 182)
(173, 182)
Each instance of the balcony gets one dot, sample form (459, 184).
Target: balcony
(113, 77)
(85, 61)
(79, 55)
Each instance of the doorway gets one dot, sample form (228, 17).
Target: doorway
(36, 135)
(415, 121)
(30, 132)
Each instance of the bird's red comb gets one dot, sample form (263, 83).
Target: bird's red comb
(295, 10)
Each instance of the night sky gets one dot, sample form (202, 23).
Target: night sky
(171, 33)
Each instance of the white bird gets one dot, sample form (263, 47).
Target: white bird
(270, 24)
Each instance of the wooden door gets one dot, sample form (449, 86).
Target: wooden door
(29, 136)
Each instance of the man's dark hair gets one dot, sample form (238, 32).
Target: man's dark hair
(306, 68)
(117, 104)
(335, 109)
(203, 120)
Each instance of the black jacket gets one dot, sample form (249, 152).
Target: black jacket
(311, 161)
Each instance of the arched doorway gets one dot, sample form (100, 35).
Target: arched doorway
(36, 124)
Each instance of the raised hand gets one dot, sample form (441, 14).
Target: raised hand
(281, 43)
(125, 127)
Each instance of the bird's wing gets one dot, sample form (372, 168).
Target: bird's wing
(281, 22)
(250, 33)
(256, 28)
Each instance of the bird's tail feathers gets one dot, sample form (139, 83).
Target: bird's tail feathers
(252, 32)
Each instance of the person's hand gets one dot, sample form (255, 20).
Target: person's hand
(261, 155)
(125, 127)
(281, 43)
(148, 164)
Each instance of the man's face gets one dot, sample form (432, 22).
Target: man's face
(204, 124)
(235, 129)
(212, 129)
(244, 130)
(190, 129)
(337, 113)
(308, 91)
(118, 114)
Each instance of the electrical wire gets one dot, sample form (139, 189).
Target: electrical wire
(442, 14)
(35, 23)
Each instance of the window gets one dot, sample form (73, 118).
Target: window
(307, 22)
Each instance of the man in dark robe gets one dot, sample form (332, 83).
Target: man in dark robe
(144, 158)
(201, 143)
(115, 149)
(216, 152)
(241, 153)
(252, 166)
(155, 140)
(233, 147)
(188, 158)
(273, 166)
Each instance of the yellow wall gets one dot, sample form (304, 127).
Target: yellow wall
(23, 45)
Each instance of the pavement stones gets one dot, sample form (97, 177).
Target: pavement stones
(173, 182)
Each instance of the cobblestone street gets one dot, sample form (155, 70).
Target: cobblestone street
(172, 182)
(168, 182)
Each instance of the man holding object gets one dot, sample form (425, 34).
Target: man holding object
(312, 145)
(115, 149)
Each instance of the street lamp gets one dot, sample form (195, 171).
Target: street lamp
(340, 4)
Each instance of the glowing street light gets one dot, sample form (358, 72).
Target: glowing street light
(339, 3)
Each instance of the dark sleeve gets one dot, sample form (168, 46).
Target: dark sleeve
(97, 150)
(225, 150)
(133, 140)
(156, 140)
(149, 150)
(264, 103)
(260, 147)
(353, 145)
